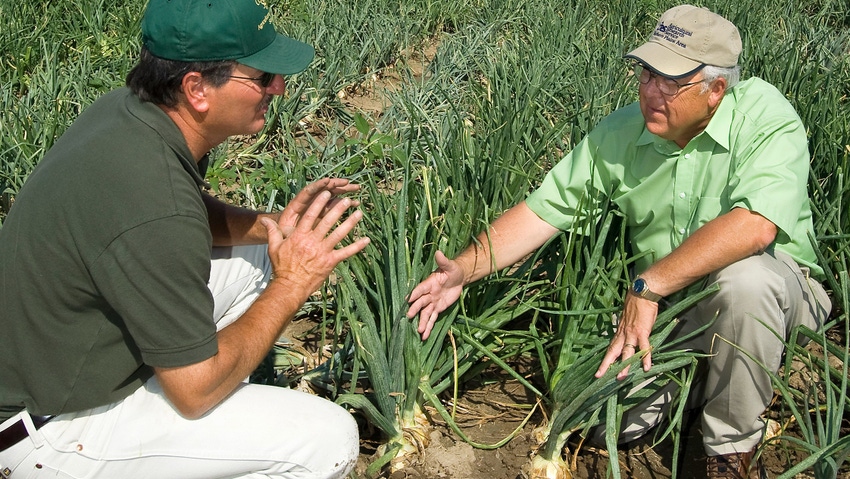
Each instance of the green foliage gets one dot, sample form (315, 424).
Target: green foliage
(511, 86)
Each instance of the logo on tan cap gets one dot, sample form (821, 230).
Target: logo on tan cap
(687, 37)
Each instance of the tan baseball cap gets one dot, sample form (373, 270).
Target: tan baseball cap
(685, 39)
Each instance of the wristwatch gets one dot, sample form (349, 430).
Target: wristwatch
(640, 288)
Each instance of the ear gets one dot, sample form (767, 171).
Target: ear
(196, 91)
(716, 91)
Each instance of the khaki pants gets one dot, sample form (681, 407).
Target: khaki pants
(758, 294)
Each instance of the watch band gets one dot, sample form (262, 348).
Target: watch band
(640, 288)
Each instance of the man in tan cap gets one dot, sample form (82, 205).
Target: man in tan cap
(134, 304)
(711, 174)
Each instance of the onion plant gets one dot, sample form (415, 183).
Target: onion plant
(592, 270)
(410, 213)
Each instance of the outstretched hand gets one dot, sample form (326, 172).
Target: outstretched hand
(303, 243)
(436, 293)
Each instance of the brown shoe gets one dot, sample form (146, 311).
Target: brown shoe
(735, 466)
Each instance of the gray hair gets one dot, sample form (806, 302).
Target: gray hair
(711, 73)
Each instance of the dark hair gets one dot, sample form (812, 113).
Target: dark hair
(158, 80)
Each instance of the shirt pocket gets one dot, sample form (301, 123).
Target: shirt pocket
(707, 209)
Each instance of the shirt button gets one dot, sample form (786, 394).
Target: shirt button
(682, 194)
(682, 231)
(687, 156)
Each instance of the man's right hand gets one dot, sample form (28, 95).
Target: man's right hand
(436, 293)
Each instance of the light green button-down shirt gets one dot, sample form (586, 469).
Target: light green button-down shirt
(753, 154)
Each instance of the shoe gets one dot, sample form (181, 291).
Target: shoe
(735, 466)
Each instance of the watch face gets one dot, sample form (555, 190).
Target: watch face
(639, 285)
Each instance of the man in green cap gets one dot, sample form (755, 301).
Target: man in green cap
(711, 175)
(134, 305)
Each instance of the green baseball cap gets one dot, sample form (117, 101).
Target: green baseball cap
(686, 38)
(210, 30)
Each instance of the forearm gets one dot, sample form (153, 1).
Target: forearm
(726, 239)
(242, 345)
(231, 225)
(511, 237)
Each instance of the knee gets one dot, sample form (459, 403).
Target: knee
(750, 276)
(338, 442)
(754, 288)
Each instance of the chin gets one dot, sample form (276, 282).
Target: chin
(656, 130)
(254, 129)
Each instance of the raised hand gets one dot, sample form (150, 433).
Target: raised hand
(296, 208)
(305, 256)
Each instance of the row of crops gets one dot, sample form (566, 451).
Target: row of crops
(510, 87)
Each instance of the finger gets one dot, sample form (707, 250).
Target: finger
(307, 194)
(418, 306)
(425, 329)
(443, 262)
(352, 249)
(615, 350)
(310, 191)
(343, 187)
(316, 187)
(647, 360)
(414, 296)
(333, 202)
(607, 361)
(313, 212)
(424, 316)
(340, 232)
(627, 351)
(330, 217)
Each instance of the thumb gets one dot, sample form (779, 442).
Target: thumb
(273, 232)
(442, 260)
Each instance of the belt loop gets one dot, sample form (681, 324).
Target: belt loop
(35, 435)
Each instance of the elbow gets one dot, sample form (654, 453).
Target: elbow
(189, 410)
(764, 236)
(183, 394)
(757, 233)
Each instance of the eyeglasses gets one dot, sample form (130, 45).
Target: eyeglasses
(667, 86)
(264, 80)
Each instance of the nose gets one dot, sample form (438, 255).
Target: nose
(277, 86)
(651, 88)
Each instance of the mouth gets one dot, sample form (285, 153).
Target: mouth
(264, 105)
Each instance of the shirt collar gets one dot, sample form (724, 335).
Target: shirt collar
(717, 129)
(718, 126)
(662, 146)
(156, 119)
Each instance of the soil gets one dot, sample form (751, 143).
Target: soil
(494, 408)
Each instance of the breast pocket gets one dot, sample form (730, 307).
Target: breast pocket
(707, 209)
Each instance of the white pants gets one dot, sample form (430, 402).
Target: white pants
(257, 432)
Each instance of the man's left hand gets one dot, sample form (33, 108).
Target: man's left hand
(632, 335)
(296, 208)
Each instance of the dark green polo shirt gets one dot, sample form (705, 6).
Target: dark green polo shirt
(104, 263)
